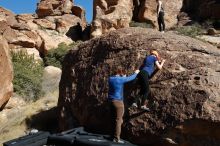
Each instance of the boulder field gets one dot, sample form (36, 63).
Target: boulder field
(184, 99)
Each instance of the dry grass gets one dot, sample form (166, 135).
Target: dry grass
(13, 121)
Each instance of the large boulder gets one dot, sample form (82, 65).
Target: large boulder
(80, 12)
(6, 19)
(27, 39)
(184, 99)
(8, 16)
(54, 30)
(110, 15)
(28, 19)
(45, 23)
(67, 22)
(51, 79)
(6, 87)
(19, 30)
(51, 39)
(54, 7)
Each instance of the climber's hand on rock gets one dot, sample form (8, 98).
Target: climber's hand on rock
(137, 71)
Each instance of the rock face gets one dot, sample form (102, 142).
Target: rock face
(45, 31)
(79, 12)
(6, 87)
(51, 79)
(145, 11)
(54, 7)
(203, 9)
(184, 98)
(110, 15)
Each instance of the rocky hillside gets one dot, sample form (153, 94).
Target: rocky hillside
(185, 95)
(184, 103)
(111, 15)
(54, 23)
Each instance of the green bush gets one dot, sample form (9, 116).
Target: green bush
(27, 75)
(54, 57)
(140, 24)
(192, 31)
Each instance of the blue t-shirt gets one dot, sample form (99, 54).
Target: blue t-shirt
(148, 65)
(116, 86)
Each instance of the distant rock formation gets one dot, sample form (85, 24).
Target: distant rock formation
(80, 12)
(110, 15)
(145, 11)
(59, 8)
(54, 7)
(202, 9)
(54, 23)
(184, 99)
(45, 30)
(6, 70)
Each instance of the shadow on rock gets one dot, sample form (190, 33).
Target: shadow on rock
(77, 33)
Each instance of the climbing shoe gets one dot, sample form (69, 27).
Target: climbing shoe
(134, 105)
(118, 141)
(143, 107)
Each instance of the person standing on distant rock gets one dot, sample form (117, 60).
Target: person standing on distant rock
(115, 96)
(160, 16)
(147, 69)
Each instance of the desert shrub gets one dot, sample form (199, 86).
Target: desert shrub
(54, 57)
(27, 75)
(208, 23)
(192, 31)
(211, 23)
(140, 24)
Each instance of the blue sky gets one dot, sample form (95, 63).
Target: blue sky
(29, 6)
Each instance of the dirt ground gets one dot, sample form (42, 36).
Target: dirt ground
(19, 117)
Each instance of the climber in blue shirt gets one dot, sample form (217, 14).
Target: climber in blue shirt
(115, 96)
(147, 69)
(116, 86)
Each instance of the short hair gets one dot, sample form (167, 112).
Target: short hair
(118, 70)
